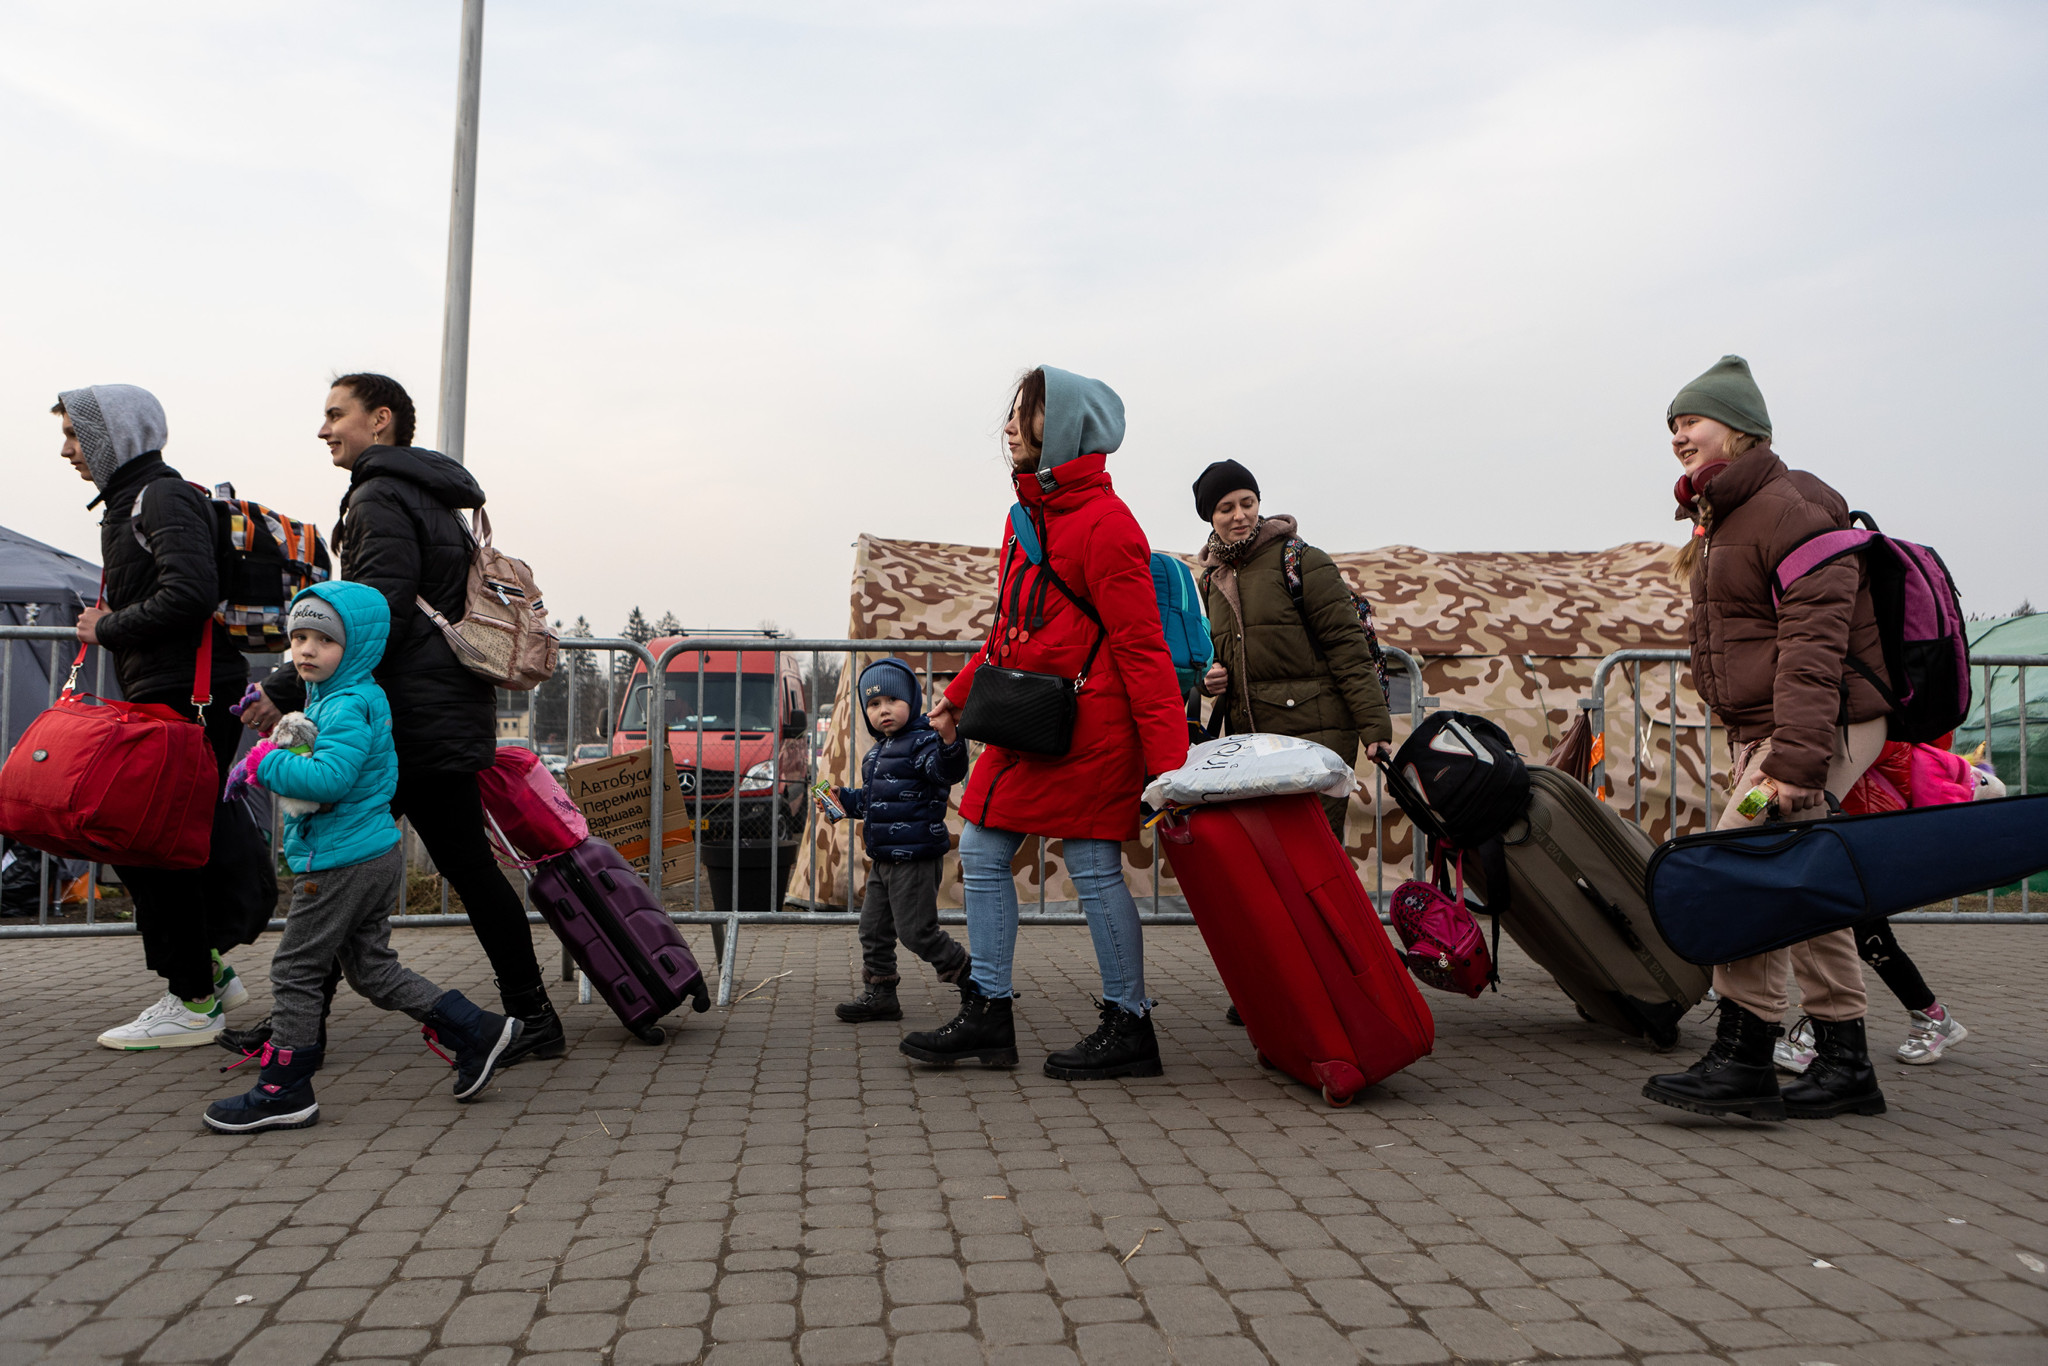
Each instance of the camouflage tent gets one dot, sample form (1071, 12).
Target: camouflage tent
(1513, 636)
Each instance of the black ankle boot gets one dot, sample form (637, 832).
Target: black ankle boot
(1123, 1046)
(479, 1038)
(1736, 1077)
(983, 1031)
(542, 1036)
(877, 1001)
(1840, 1077)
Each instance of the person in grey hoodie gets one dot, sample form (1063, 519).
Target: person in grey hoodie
(157, 549)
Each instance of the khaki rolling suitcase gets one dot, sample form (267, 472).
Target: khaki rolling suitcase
(1578, 906)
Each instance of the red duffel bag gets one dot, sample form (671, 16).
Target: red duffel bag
(132, 784)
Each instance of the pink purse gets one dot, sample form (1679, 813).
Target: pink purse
(1445, 948)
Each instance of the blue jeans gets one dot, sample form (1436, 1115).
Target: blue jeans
(1097, 870)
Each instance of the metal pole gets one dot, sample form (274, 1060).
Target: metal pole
(1671, 701)
(853, 767)
(1635, 683)
(814, 821)
(739, 676)
(43, 868)
(7, 696)
(461, 235)
(1990, 893)
(2020, 675)
(569, 725)
(775, 789)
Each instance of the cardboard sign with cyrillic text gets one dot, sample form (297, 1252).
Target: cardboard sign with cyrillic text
(614, 796)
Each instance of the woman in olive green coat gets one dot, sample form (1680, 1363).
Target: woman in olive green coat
(1280, 669)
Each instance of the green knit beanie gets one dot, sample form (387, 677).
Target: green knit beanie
(1727, 394)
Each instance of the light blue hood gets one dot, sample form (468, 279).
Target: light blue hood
(367, 619)
(1082, 417)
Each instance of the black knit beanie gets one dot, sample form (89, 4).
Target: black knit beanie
(1221, 479)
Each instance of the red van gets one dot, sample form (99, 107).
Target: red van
(750, 714)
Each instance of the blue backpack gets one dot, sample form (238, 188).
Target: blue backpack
(1180, 616)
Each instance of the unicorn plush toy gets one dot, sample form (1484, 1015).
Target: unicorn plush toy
(293, 732)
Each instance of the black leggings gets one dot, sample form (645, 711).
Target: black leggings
(1879, 947)
(448, 815)
(174, 912)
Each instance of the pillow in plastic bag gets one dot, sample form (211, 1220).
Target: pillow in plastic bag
(1239, 767)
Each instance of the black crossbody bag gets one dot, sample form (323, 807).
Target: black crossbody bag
(1031, 713)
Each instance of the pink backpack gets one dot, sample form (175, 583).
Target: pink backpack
(530, 810)
(1445, 949)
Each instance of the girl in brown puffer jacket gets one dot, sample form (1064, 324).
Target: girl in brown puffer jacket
(1799, 719)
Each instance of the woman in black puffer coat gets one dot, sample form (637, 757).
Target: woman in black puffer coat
(399, 532)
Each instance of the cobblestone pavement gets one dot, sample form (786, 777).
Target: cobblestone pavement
(772, 1185)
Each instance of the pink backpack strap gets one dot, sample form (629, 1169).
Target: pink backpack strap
(1814, 552)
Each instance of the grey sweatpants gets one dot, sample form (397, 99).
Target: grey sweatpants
(342, 914)
(903, 903)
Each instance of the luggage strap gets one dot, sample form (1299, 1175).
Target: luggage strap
(1493, 858)
(1613, 914)
(202, 666)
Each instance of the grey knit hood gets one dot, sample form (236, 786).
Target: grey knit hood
(1082, 417)
(115, 424)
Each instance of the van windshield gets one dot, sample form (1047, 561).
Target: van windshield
(756, 703)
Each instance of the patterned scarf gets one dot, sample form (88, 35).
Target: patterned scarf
(1233, 555)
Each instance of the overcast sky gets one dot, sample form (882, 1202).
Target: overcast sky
(754, 278)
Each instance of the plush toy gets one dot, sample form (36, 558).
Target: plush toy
(1989, 786)
(293, 733)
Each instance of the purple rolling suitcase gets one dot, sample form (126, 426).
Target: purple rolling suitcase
(618, 933)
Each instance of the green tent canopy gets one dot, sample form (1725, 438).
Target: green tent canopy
(1996, 705)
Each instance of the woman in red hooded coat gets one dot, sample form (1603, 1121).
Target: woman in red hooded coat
(1069, 534)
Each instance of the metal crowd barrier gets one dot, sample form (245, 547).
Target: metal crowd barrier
(726, 925)
(2018, 783)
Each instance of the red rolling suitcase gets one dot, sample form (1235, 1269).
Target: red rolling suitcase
(1321, 990)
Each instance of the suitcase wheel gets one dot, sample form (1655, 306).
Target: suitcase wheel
(1335, 1102)
(700, 996)
(651, 1034)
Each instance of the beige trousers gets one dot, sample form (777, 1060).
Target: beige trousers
(1829, 972)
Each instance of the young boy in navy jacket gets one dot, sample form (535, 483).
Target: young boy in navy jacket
(343, 847)
(902, 803)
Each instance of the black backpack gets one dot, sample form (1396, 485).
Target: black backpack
(1459, 779)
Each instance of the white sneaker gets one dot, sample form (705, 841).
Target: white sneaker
(1931, 1037)
(1795, 1052)
(167, 1024)
(228, 988)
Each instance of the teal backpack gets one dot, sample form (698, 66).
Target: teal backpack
(1180, 616)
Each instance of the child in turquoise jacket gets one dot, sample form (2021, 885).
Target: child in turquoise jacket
(349, 871)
